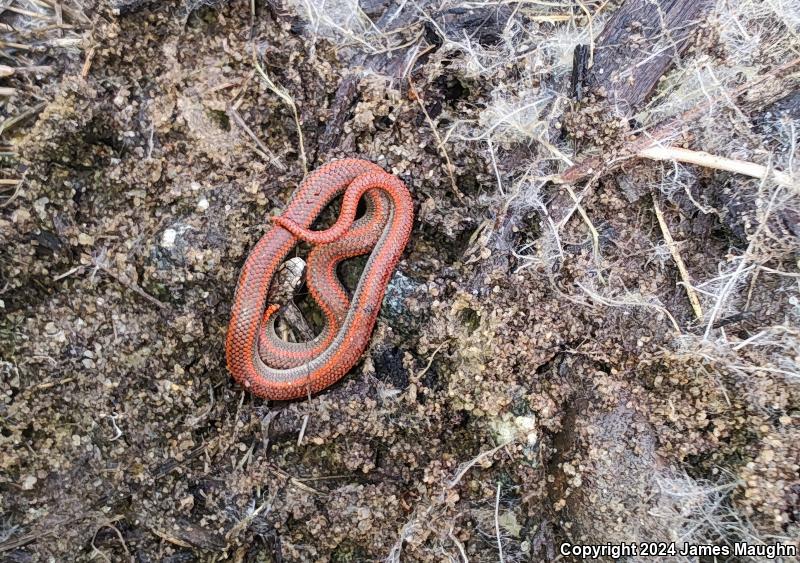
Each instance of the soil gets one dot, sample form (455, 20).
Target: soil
(494, 395)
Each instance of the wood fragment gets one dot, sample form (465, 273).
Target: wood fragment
(59, 17)
(640, 42)
(26, 13)
(87, 63)
(389, 64)
(678, 259)
(702, 158)
(669, 129)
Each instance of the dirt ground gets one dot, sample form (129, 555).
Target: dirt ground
(530, 382)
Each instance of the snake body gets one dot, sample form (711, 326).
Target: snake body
(275, 369)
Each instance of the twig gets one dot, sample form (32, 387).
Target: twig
(592, 229)
(60, 19)
(11, 70)
(295, 481)
(27, 13)
(664, 130)
(288, 100)
(49, 384)
(17, 190)
(467, 466)
(302, 430)
(459, 546)
(87, 62)
(262, 147)
(170, 538)
(701, 158)
(68, 273)
(131, 285)
(497, 524)
(676, 256)
(430, 360)
(590, 18)
(439, 141)
(11, 122)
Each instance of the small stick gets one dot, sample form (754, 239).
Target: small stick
(74, 14)
(701, 158)
(439, 141)
(132, 286)
(10, 70)
(303, 427)
(262, 147)
(20, 46)
(87, 63)
(592, 229)
(591, 33)
(477, 459)
(666, 129)
(60, 19)
(281, 92)
(430, 360)
(676, 256)
(170, 538)
(497, 524)
(28, 13)
(49, 384)
(459, 546)
(11, 122)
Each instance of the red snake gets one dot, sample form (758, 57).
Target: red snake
(257, 357)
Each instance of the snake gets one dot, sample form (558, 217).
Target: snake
(275, 369)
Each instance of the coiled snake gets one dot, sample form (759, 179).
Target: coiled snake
(273, 368)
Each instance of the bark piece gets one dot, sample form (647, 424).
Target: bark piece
(639, 44)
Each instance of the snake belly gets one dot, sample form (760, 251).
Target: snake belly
(275, 369)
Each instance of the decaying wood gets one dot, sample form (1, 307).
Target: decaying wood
(481, 25)
(640, 42)
(669, 129)
(347, 91)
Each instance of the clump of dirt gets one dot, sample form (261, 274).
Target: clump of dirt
(533, 378)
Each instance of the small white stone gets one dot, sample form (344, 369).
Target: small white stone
(202, 204)
(168, 238)
(28, 483)
(85, 240)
